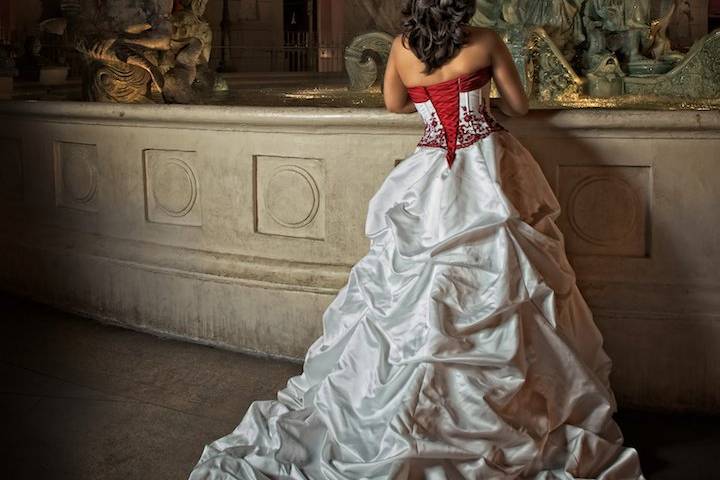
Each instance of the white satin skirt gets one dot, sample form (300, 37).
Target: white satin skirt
(460, 347)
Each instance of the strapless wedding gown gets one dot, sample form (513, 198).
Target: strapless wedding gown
(460, 347)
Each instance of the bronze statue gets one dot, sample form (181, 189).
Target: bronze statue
(121, 52)
(185, 62)
(134, 48)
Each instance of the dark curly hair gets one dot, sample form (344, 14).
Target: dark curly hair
(433, 29)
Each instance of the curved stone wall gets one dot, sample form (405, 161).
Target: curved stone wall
(237, 226)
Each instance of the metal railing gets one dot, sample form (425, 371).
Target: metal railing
(291, 57)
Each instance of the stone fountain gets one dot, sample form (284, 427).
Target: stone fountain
(571, 53)
(237, 224)
(576, 52)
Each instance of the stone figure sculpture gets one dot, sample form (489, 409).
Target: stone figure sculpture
(560, 19)
(697, 76)
(568, 49)
(600, 26)
(549, 75)
(133, 48)
(185, 63)
(610, 43)
(637, 24)
(121, 47)
(624, 27)
(600, 17)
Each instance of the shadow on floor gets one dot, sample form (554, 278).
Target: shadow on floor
(82, 400)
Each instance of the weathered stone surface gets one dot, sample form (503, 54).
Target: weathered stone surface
(637, 187)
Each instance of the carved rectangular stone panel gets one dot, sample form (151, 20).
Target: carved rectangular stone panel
(11, 169)
(605, 209)
(290, 196)
(76, 176)
(172, 189)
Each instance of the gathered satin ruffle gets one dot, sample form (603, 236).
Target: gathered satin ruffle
(460, 347)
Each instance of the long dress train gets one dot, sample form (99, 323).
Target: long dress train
(460, 347)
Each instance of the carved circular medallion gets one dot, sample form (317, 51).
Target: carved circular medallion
(292, 197)
(603, 210)
(79, 177)
(174, 187)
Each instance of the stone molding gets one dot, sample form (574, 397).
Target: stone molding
(618, 123)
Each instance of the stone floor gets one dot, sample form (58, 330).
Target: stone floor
(82, 400)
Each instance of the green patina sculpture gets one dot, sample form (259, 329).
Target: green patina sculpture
(614, 46)
(697, 76)
(570, 52)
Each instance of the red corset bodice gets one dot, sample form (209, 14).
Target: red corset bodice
(455, 112)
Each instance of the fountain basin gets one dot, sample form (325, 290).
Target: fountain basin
(300, 90)
(236, 226)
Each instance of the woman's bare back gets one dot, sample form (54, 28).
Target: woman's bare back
(484, 48)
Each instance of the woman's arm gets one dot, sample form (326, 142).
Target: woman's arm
(513, 101)
(394, 91)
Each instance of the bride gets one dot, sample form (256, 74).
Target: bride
(460, 347)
